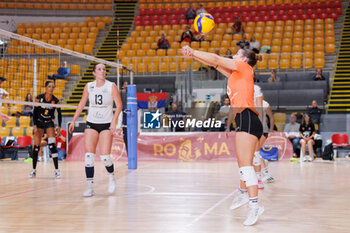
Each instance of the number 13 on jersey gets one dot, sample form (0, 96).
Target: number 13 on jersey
(98, 99)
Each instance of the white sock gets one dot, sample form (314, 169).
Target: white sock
(253, 201)
(90, 183)
(111, 176)
(258, 174)
(265, 171)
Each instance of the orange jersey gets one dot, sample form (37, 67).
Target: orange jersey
(240, 87)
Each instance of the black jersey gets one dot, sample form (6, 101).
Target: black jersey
(44, 114)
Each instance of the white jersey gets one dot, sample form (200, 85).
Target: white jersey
(258, 93)
(100, 103)
(265, 107)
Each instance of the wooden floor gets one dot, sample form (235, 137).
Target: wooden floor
(173, 197)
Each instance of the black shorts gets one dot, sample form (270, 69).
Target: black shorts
(266, 135)
(98, 127)
(45, 125)
(248, 121)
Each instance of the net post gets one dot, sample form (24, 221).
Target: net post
(132, 126)
(131, 76)
(34, 79)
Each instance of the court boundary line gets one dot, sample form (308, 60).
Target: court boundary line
(205, 213)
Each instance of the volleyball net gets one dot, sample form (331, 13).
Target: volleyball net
(27, 63)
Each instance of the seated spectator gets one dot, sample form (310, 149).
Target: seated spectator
(223, 113)
(27, 110)
(62, 72)
(243, 43)
(254, 45)
(61, 138)
(274, 78)
(228, 54)
(315, 112)
(190, 13)
(3, 93)
(187, 35)
(201, 9)
(237, 27)
(163, 42)
(318, 75)
(292, 132)
(307, 133)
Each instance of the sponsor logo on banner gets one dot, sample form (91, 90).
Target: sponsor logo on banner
(151, 120)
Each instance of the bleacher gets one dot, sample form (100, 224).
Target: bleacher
(77, 36)
(58, 4)
(298, 33)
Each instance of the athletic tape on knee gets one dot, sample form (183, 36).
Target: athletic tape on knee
(89, 159)
(256, 159)
(36, 148)
(53, 150)
(248, 175)
(106, 160)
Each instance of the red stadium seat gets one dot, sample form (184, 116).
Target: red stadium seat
(238, 9)
(183, 22)
(264, 8)
(337, 4)
(155, 18)
(24, 141)
(309, 11)
(221, 10)
(143, 12)
(300, 6)
(318, 4)
(262, 13)
(177, 11)
(160, 11)
(212, 10)
(319, 11)
(276, 17)
(338, 10)
(328, 4)
(147, 18)
(151, 11)
(340, 140)
(324, 16)
(253, 14)
(300, 11)
(173, 17)
(255, 8)
(334, 16)
(310, 5)
(282, 6)
(169, 11)
(246, 8)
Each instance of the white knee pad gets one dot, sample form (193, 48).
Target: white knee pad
(106, 160)
(89, 159)
(256, 159)
(51, 140)
(248, 175)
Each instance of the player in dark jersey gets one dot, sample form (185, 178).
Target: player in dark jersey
(44, 118)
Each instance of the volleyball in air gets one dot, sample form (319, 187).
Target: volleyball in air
(204, 23)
